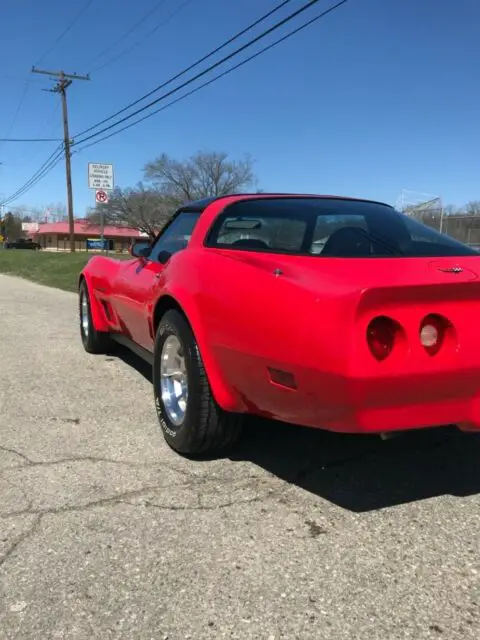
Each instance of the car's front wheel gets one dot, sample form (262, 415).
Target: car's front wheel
(93, 341)
(192, 422)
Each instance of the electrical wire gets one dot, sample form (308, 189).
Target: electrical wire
(49, 164)
(46, 128)
(17, 111)
(58, 154)
(66, 30)
(33, 183)
(145, 17)
(276, 26)
(192, 66)
(217, 77)
(142, 40)
(29, 139)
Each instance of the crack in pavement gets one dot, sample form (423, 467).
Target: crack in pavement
(16, 453)
(93, 459)
(192, 480)
(32, 529)
(116, 500)
(204, 507)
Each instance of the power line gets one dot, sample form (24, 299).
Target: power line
(33, 183)
(55, 157)
(195, 64)
(46, 128)
(143, 39)
(49, 164)
(265, 33)
(127, 33)
(29, 139)
(66, 30)
(17, 111)
(215, 78)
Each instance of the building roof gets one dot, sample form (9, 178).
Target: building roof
(83, 229)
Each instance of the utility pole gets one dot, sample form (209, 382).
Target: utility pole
(64, 81)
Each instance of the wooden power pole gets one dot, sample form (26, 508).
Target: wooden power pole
(64, 81)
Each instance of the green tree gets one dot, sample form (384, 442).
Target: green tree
(11, 227)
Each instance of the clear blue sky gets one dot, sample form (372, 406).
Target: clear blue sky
(380, 96)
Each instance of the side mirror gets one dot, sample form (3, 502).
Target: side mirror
(164, 256)
(140, 249)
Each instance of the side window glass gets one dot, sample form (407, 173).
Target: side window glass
(326, 225)
(267, 233)
(176, 235)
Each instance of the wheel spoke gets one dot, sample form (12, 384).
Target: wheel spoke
(84, 317)
(174, 380)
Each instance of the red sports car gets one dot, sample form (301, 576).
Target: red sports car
(328, 312)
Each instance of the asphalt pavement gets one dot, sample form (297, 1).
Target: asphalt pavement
(106, 533)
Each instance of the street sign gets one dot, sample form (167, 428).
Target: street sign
(101, 196)
(100, 176)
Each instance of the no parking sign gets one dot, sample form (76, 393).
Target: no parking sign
(101, 196)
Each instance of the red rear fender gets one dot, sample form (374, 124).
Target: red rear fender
(225, 395)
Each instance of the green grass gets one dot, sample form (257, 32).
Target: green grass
(59, 270)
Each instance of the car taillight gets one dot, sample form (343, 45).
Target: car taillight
(381, 334)
(432, 333)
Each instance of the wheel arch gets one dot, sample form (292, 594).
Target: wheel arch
(226, 397)
(98, 318)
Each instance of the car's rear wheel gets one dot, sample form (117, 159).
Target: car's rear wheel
(192, 422)
(93, 341)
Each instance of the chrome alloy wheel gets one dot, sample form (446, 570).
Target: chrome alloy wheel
(173, 380)
(84, 317)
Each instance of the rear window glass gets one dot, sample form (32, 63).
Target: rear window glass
(327, 227)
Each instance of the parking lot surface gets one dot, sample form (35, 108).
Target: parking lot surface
(107, 533)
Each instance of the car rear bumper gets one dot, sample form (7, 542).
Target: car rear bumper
(362, 402)
(422, 416)
(397, 404)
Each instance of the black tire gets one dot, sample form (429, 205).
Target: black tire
(206, 429)
(93, 341)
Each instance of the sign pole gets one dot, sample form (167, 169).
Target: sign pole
(102, 227)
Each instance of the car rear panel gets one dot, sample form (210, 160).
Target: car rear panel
(335, 381)
(412, 388)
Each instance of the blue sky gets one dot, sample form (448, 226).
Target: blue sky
(379, 96)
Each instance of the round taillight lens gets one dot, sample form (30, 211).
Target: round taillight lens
(432, 332)
(381, 334)
(429, 335)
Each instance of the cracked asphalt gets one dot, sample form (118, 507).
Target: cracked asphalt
(106, 533)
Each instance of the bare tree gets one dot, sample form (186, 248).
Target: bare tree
(139, 208)
(56, 212)
(25, 214)
(202, 175)
(450, 210)
(473, 208)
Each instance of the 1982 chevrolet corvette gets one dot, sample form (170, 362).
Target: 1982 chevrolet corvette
(323, 311)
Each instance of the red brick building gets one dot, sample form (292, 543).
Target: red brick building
(54, 236)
